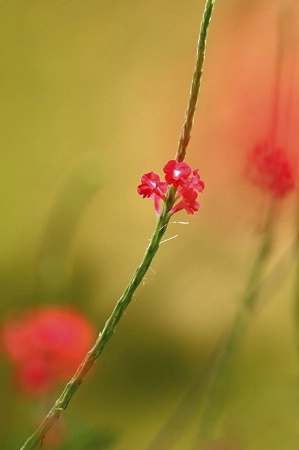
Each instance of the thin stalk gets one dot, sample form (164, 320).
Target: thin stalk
(190, 404)
(169, 435)
(218, 378)
(285, 64)
(107, 332)
(296, 288)
(280, 54)
(124, 301)
(196, 81)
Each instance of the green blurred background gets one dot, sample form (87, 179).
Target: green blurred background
(93, 95)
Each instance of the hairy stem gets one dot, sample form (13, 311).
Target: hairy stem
(124, 301)
(104, 336)
(196, 81)
(107, 332)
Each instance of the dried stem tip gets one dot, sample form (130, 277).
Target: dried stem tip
(195, 85)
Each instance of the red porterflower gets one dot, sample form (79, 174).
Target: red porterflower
(151, 185)
(46, 346)
(186, 184)
(188, 202)
(271, 170)
(177, 173)
(195, 182)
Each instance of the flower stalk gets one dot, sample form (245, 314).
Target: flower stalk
(196, 81)
(107, 332)
(219, 374)
(296, 287)
(161, 226)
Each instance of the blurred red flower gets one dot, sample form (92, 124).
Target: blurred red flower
(271, 170)
(46, 345)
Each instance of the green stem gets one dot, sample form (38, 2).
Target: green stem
(219, 375)
(107, 332)
(196, 81)
(296, 290)
(188, 408)
(124, 301)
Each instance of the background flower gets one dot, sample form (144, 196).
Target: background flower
(46, 345)
(271, 170)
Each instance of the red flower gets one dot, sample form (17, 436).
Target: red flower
(195, 182)
(186, 186)
(46, 346)
(271, 170)
(188, 202)
(176, 173)
(152, 187)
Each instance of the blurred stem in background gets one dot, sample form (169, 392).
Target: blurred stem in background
(161, 226)
(55, 268)
(209, 389)
(270, 168)
(220, 374)
(296, 288)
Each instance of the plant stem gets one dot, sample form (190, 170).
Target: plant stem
(107, 332)
(296, 288)
(196, 81)
(170, 433)
(218, 376)
(162, 223)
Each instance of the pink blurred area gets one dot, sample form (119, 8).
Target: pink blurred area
(252, 91)
(45, 346)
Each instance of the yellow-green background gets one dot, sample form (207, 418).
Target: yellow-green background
(93, 95)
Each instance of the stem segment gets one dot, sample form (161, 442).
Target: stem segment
(124, 301)
(296, 287)
(219, 375)
(107, 332)
(196, 81)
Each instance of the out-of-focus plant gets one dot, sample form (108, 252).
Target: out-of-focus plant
(45, 346)
(272, 169)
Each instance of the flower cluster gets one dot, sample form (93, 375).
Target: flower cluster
(185, 181)
(271, 170)
(46, 346)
